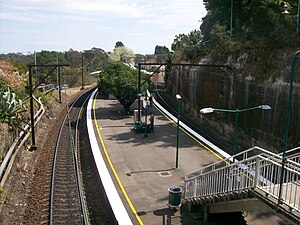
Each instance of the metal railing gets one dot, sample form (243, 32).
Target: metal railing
(293, 154)
(256, 169)
(19, 141)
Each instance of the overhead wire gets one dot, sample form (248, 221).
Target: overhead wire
(186, 121)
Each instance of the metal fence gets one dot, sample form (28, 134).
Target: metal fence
(256, 169)
(19, 141)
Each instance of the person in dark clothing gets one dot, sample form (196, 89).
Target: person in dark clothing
(150, 100)
(151, 119)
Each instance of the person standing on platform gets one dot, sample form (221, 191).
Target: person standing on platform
(150, 100)
(151, 119)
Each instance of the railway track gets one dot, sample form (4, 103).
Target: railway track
(67, 204)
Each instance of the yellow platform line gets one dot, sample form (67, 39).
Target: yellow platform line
(113, 169)
(195, 139)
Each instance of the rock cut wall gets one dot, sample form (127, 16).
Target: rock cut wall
(234, 88)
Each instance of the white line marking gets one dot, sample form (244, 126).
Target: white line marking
(114, 199)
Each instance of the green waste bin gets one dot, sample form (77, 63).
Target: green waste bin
(174, 197)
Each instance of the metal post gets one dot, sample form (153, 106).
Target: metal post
(56, 68)
(178, 120)
(139, 91)
(82, 84)
(33, 146)
(231, 19)
(31, 90)
(286, 133)
(235, 132)
(298, 15)
(59, 85)
(146, 112)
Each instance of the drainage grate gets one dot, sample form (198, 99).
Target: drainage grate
(165, 174)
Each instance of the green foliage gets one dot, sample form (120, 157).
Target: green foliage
(161, 50)
(250, 20)
(187, 47)
(258, 17)
(43, 97)
(122, 54)
(120, 81)
(3, 84)
(22, 68)
(71, 76)
(91, 60)
(94, 59)
(119, 44)
(73, 58)
(10, 108)
(46, 58)
(218, 35)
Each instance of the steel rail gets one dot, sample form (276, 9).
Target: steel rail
(73, 138)
(79, 183)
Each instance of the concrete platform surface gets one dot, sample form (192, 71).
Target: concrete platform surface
(145, 166)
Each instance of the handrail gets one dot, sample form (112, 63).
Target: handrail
(293, 154)
(257, 172)
(227, 161)
(22, 135)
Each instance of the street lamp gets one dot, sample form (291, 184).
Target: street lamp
(288, 118)
(178, 97)
(285, 7)
(237, 112)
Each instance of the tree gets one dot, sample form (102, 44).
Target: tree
(122, 54)
(71, 76)
(74, 58)
(187, 46)
(247, 15)
(120, 81)
(161, 50)
(119, 44)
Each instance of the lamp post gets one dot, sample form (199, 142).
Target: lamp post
(286, 133)
(237, 112)
(285, 7)
(298, 15)
(231, 17)
(178, 97)
(145, 104)
(139, 92)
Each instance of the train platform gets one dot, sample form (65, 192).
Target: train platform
(145, 166)
(142, 167)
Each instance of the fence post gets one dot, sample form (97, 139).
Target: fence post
(257, 172)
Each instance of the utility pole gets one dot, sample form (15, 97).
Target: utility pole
(82, 84)
(33, 146)
(31, 90)
(58, 80)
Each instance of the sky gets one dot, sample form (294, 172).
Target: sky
(58, 25)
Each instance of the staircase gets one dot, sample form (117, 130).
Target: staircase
(250, 180)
